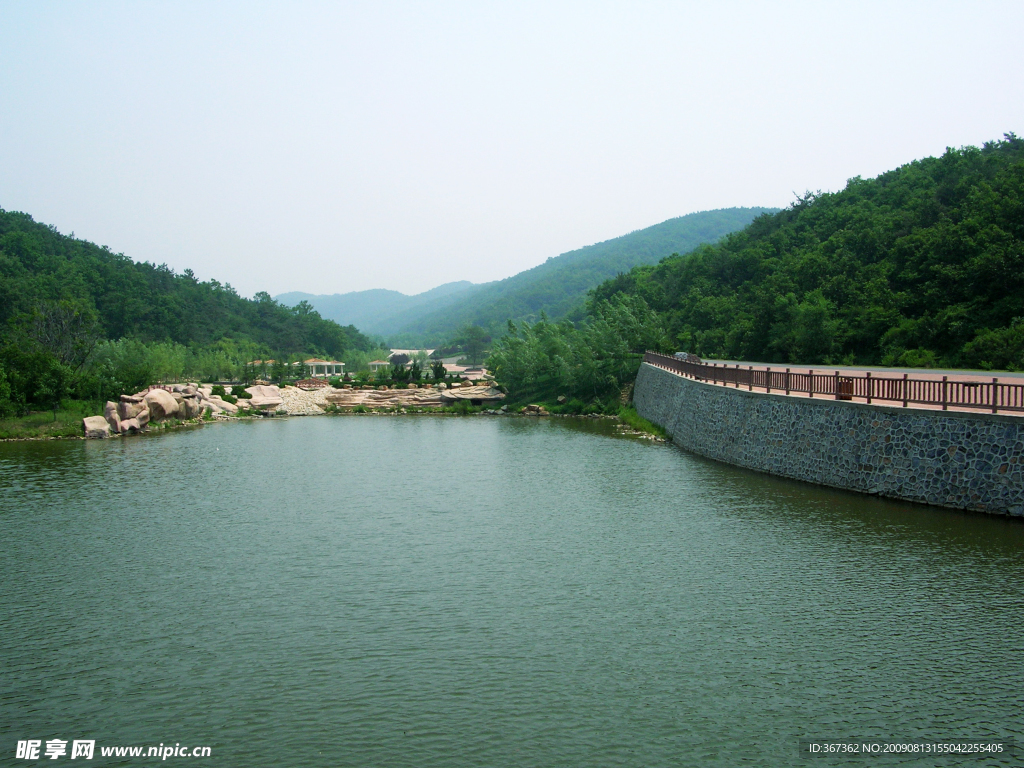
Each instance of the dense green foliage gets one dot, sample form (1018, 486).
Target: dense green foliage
(588, 361)
(557, 288)
(79, 320)
(922, 266)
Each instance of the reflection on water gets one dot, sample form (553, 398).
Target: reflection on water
(430, 591)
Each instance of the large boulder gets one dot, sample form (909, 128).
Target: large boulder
(161, 405)
(265, 397)
(112, 417)
(131, 425)
(189, 408)
(95, 427)
(142, 418)
(264, 390)
(129, 407)
(223, 406)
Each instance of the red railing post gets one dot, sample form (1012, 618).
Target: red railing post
(810, 382)
(768, 380)
(737, 375)
(869, 387)
(944, 398)
(837, 385)
(750, 381)
(787, 381)
(905, 384)
(995, 395)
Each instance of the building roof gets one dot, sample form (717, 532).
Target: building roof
(410, 352)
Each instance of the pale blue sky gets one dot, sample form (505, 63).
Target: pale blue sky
(343, 146)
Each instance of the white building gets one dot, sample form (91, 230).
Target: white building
(323, 368)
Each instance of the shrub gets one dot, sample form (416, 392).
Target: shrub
(461, 407)
(218, 390)
(239, 391)
(574, 406)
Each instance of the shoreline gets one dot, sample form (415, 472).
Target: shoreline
(626, 429)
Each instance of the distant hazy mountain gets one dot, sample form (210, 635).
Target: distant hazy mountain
(555, 287)
(378, 311)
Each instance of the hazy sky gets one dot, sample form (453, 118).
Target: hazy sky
(343, 146)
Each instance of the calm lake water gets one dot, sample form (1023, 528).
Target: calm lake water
(427, 591)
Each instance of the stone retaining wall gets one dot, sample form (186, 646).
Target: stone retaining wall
(951, 459)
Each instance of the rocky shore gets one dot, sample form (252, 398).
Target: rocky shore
(192, 402)
(424, 396)
(180, 402)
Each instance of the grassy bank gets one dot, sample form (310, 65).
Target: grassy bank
(41, 424)
(631, 418)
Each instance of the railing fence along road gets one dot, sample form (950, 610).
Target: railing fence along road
(993, 396)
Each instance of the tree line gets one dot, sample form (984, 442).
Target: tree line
(77, 320)
(588, 361)
(922, 266)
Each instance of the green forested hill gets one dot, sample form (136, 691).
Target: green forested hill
(59, 296)
(560, 284)
(556, 287)
(144, 301)
(921, 266)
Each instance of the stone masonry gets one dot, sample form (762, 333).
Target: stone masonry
(960, 460)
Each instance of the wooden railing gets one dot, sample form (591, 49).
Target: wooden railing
(994, 396)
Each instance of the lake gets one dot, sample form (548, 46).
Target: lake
(483, 591)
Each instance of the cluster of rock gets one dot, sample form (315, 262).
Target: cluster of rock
(264, 397)
(185, 402)
(416, 396)
(534, 410)
(298, 402)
